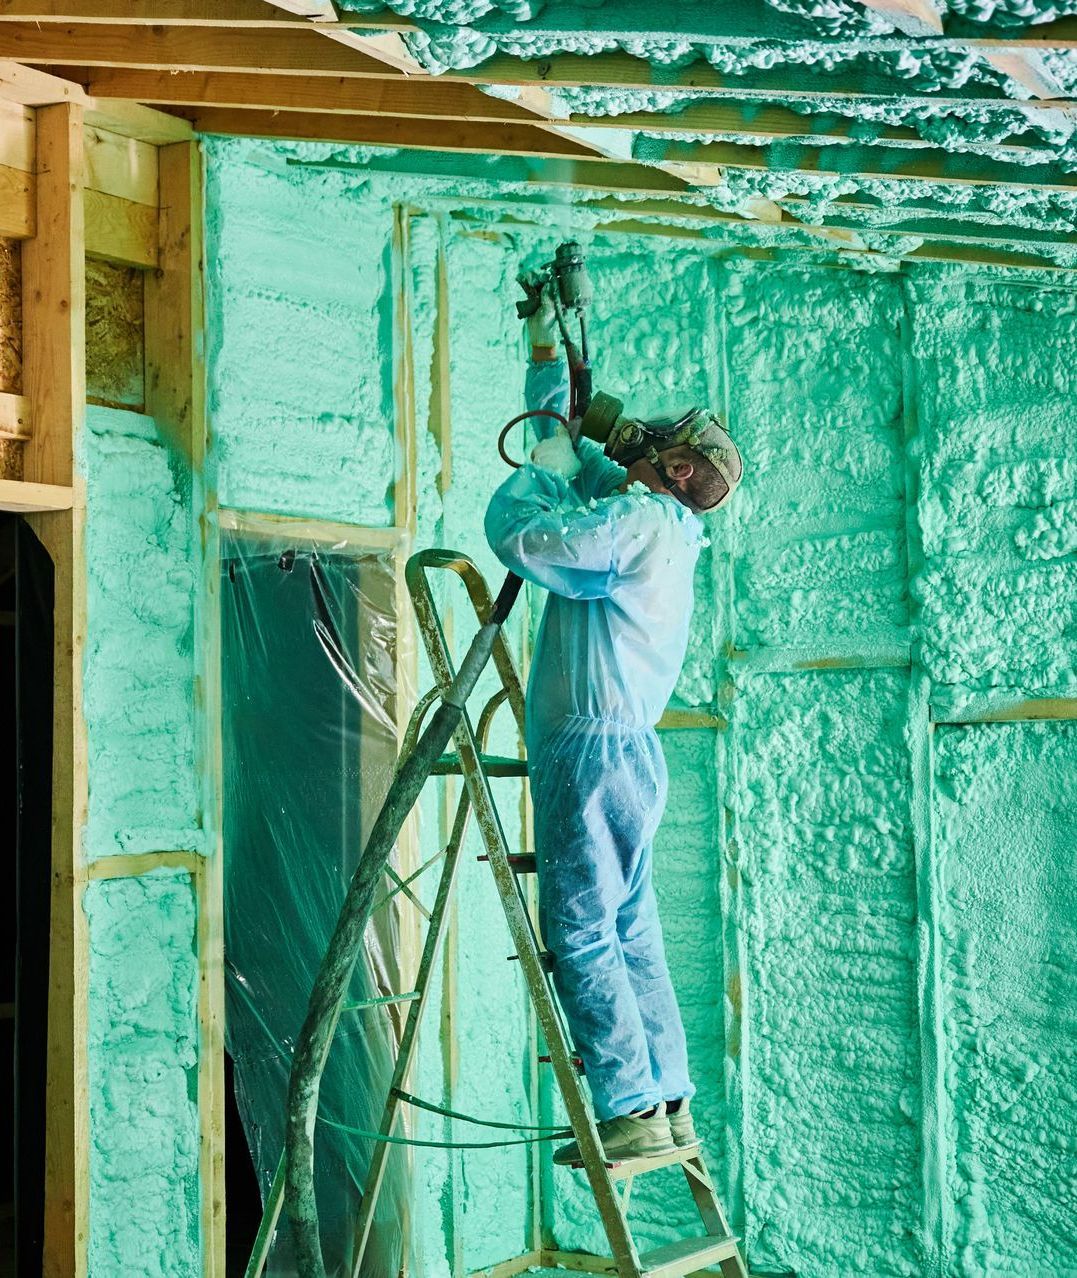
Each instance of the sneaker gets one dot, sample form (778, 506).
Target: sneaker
(626, 1136)
(681, 1125)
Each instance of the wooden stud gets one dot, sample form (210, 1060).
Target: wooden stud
(440, 379)
(275, 527)
(54, 383)
(175, 398)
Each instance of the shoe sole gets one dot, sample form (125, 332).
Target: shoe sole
(612, 1160)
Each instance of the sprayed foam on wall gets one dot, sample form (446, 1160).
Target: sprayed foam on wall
(300, 322)
(139, 665)
(817, 1108)
(995, 385)
(1004, 802)
(143, 1044)
(815, 402)
(831, 1096)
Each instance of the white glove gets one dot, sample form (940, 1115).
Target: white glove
(557, 454)
(542, 327)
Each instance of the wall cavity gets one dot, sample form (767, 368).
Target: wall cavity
(143, 1046)
(139, 666)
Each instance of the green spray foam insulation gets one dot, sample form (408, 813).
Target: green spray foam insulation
(143, 1053)
(839, 912)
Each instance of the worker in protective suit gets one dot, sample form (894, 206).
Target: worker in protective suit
(617, 550)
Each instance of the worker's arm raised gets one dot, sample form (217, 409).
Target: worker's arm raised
(568, 551)
(546, 390)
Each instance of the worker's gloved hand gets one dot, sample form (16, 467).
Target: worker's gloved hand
(557, 454)
(542, 323)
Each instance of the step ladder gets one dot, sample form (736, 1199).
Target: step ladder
(610, 1183)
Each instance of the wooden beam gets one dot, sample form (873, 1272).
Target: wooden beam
(268, 52)
(26, 498)
(205, 13)
(31, 87)
(121, 166)
(870, 162)
(17, 204)
(435, 101)
(1060, 33)
(14, 416)
(120, 231)
(396, 97)
(914, 17)
(133, 120)
(447, 135)
(276, 52)
(622, 70)
(54, 378)
(116, 230)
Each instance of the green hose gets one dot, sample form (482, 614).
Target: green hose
(334, 975)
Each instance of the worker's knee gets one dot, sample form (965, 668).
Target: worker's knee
(569, 937)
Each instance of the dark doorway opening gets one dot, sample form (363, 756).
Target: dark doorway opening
(26, 692)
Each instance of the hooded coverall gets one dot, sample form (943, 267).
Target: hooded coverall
(619, 569)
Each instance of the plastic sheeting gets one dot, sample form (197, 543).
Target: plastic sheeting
(308, 757)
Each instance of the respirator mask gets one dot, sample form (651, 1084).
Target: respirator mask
(627, 440)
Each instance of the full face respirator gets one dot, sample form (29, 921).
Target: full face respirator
(601, 417)
(628, 440)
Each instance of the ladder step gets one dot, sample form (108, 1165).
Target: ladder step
(494, 765)
(521, 862)
(686, 1256)
(577, 1062)
(638, 1166)
(545, 959)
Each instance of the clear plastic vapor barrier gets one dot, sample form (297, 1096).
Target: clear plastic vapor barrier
(309, 746)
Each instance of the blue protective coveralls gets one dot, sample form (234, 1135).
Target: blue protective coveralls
(619, 569)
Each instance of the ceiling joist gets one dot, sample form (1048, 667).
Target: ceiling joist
(299, 50)
(916, 19)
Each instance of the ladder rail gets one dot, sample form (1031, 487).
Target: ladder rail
(517, 916)
(435, 933)
(416, 576)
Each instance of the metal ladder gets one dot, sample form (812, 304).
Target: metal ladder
(611, 1184)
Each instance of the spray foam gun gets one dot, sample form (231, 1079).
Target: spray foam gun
(566, 282)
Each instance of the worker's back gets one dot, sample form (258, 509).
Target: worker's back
(616, 657)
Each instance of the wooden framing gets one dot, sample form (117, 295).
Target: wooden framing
(54, 377)
(914, 17)
(78, 183)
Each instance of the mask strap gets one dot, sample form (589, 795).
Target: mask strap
(665, 479)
